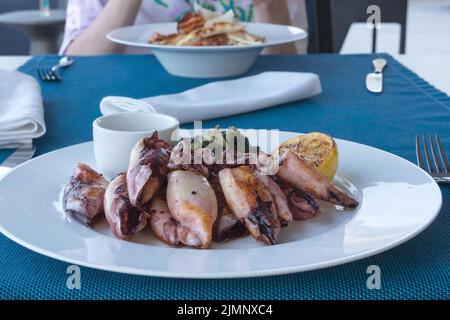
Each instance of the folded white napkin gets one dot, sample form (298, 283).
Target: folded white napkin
(223, 98)
(21, 109)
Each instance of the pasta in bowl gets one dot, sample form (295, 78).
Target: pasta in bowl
(208, 29)
(199, 47)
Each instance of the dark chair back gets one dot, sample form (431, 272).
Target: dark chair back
(330, 20)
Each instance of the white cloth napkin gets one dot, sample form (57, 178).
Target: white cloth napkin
(223, 98)
(21, 109)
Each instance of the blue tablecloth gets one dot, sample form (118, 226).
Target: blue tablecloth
(418, 269)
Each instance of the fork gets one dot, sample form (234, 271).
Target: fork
(51, 74)
(436, 162)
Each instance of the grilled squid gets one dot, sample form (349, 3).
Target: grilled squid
(161, 221)
(83, 195)
(227, 225)
(124, 219)
(251, 202)
(303, 205)
(279, 197)
(192, 202)
(147, 168)
(295, 171)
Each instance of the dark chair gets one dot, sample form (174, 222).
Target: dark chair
(330, 20)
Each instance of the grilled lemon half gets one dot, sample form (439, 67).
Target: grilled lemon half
(318, 149)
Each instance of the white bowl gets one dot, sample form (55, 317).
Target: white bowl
(207, 61)
(116, 134)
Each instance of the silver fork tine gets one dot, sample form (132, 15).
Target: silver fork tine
(427, 155)
(46, 74)
(442, 153)
(50, 74)
(41, 74)
(420, 162)
(54, 75)
(437, 162)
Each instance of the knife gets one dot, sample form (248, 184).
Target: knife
(374, 81)
(23, 153)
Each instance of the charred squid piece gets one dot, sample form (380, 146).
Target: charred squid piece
(303, 204)
(192, 202)
(83, 195)
(227, 225)
(147, 168)
(124, 219)
(251, 202)
(295, 171)
(281, 201)
(161, 221)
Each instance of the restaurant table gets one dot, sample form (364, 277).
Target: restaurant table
(434, 68)
(417, 269)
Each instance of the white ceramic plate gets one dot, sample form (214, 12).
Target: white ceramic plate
(397, 201)
(207, 61)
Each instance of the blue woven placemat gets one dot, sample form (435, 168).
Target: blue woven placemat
(418, 269)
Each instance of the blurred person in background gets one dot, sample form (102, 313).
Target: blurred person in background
(89, 21)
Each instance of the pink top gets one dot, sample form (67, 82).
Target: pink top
(80, 13)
